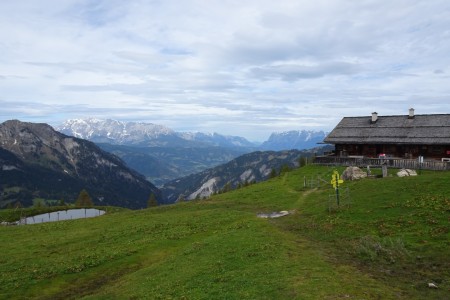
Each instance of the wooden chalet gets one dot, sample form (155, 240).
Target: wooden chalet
(405, 137)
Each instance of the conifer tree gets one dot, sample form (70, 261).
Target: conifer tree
(273, 173)
(302, 161)
(284, 168)
(84, 200)
(152, 202)
(227, 187)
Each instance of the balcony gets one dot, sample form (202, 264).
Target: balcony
(397, 163)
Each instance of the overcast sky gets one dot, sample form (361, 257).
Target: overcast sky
(244, 68)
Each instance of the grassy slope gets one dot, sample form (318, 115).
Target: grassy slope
(388, 243)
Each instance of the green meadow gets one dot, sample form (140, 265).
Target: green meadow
(388, 239)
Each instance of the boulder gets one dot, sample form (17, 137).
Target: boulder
(353, 173)
(406, 172)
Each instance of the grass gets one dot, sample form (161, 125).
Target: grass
(388, 242)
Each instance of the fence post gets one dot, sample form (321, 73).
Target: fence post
(384, 169)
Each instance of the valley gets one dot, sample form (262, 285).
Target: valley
(163, 164)
(241, 171)
(129, 159)
(162, 154)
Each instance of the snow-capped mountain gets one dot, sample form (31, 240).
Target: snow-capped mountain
(217, 139)
(295, 139)
(145, 134)
(117, 132)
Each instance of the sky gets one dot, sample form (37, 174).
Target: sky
(245, 68)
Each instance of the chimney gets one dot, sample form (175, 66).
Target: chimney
(374, 117)
(411, 113)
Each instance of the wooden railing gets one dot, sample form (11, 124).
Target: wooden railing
(397, 163)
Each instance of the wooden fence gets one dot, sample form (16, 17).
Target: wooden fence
(397, 163)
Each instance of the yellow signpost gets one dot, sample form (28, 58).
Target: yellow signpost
(335, 181)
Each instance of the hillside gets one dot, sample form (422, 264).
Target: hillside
(389, 240)
(37, 162)
(243, 170)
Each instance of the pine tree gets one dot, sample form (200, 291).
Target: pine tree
(152, 202)
(226, 188)
(84, 200)
(302, 161)
(273, 173)
(284, 168)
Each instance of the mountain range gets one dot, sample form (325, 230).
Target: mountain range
(39, 162)
(146, 134)
(162, 154)
(295, 139)
(152, 135)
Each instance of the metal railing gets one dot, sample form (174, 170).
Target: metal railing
(399, 163)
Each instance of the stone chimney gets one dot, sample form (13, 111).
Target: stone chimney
(411, 113)
(374, 117)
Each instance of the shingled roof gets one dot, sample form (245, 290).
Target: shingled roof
(420, 129)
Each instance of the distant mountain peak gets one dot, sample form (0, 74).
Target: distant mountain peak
(294, 139)
(114, 131)
(217, 139)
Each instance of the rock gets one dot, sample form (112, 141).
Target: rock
(432, 285)
(273, 214)
(406, 172)
(353, 173)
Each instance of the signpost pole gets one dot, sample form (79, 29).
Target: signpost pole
(335, 182)
(337, 191)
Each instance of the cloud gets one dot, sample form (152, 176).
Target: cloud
(292, 72)
(225, 66)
